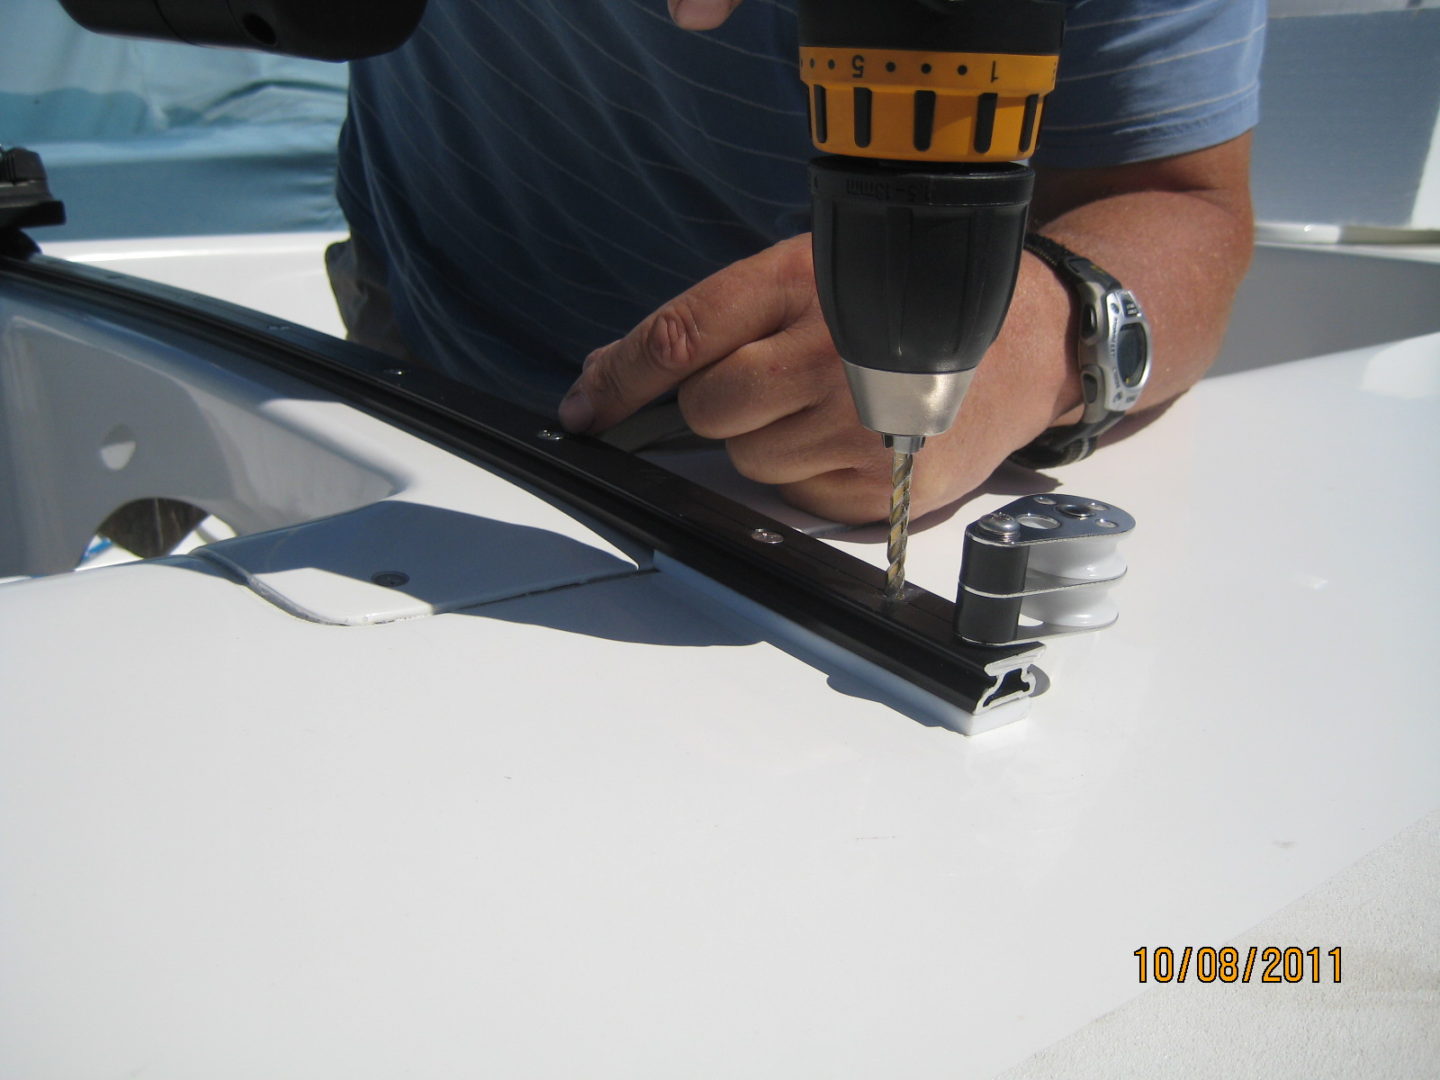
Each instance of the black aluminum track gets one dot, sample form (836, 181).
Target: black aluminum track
(801, 578)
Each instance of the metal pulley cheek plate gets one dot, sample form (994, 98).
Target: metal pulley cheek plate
(1040, 567)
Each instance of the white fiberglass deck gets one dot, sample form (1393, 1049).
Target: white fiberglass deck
(609, 829)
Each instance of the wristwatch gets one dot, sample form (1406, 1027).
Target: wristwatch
(1113, 347)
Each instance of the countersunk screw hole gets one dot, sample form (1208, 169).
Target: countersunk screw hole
(390, 579)
(766, 536)
(1106, 523)
(550, 434)
(1038, 521)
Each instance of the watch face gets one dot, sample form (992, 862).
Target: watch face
(1130, 353)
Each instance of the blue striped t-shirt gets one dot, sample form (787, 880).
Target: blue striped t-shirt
(539, 175)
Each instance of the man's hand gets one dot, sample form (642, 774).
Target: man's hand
(751, 361)
(701, 14)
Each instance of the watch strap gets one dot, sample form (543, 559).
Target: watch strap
(1074, 268)
(1063, 445)
(1073, 442)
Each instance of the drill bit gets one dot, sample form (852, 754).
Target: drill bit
(901, 468)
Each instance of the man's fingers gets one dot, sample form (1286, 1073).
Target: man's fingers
(701, 14)
(746, 302)
(798, 447)
(762, 383)
(844, 495)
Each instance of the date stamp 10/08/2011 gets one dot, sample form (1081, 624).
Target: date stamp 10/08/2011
(1270, 964)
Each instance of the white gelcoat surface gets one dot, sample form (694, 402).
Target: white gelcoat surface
(1378, 1021)
(597, 832)
(280, 274)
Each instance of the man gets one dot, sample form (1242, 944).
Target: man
(529, 179)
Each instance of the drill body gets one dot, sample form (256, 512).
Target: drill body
(924, 108)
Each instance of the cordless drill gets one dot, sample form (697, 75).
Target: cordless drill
(925, 108)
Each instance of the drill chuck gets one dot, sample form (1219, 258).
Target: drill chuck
(915, 267)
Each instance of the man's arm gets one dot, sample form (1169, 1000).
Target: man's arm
(752, 363)
(1177, 231)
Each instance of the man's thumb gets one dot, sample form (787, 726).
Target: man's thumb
(701, 14)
